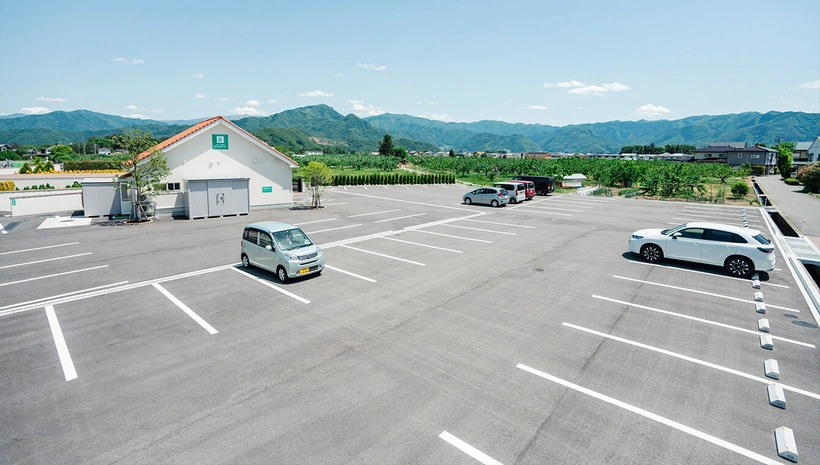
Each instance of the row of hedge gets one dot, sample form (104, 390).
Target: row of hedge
(6, 185)
(91, 165)
(392, 178)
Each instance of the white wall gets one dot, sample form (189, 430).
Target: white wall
(36, 203)
(195, 159)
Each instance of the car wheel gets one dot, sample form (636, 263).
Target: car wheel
(739, 266)
(282, 274)
(494, 203)
(513, 200)
(468, 201)
(245, 262)
(652, 253)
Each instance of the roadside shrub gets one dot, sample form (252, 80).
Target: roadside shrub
(630, 193)
(6, 185)
(740, 189)
(25, 169)
(811, 178)
(759, 170)
(602, 192)
(92, 165)
(791, 181)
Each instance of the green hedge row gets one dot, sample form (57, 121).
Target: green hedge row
(91, 165)
(392, 178)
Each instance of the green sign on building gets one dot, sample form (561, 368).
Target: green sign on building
(267, 189)
(219, 141)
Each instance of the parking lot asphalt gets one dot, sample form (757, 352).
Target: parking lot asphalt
(439, 333)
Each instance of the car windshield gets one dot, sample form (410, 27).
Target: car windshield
(762, 239)
(291, 239)
(667, 232)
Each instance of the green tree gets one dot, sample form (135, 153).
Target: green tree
(399, 151)
(452, 153)
(784, 161)
(145, 168)
(810, 177)
(62, 152)
(740, 189)
(386, 145)
(317, 176)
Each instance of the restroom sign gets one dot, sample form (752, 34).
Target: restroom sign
(219, 141)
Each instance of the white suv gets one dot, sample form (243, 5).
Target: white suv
(740, 251)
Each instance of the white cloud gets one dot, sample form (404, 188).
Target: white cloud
(537, 107)
(339, 75)
(129, 61)
(201, 96)
(652, 111)
(438, 117)
(810, 85)
(572, 83)
(360, 109)
(198, 76)
(615, 87)
(51, 99)
(586, 90)
(34, 110)
(250, 111)
(223, 99)
(271, 101)
(135, 115)
(133, 108)
(372, 66)
(315, 93)
(157, 110)
(252, 103)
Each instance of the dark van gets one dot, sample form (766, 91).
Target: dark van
(544, 185)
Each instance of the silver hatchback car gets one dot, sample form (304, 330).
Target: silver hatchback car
(280, 248)
(493, 196)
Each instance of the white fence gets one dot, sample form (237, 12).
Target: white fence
(33, 203)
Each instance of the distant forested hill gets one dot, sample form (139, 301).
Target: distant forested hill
(319, 126)
(748, 127)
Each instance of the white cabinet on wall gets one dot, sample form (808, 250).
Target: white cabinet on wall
(218, 197)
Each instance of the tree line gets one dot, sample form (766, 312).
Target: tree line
(652, 149)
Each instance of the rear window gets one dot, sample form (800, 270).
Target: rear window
(503, 191)
(762, 240)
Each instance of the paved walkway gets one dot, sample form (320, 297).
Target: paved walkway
(794, 205)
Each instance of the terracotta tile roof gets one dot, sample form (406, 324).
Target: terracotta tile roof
(202, 125)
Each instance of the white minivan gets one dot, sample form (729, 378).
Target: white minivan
(281, 248)
(517, 190)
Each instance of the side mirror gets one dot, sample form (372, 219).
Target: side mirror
(676, 235)
(269, 247)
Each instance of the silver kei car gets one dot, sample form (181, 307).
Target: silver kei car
(740, 251)
(280, 248)
(493, 196)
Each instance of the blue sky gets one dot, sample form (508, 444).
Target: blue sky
(554, 63)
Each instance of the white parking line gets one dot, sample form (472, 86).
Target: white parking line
(311, 222)
(687, 211)
(53, 275)
(544, 212)
(59, 341)
(185, 309)
(3, 230)
(691, 359)
(43, 261)
(468, 449)
(768, 305)
(275, 288)
(555, 208)
(652, 416)
(383, 255)
(39, 248)
(336, 203)
(701, 320)
(703, 272)
(455, 237)
(399, 218)
(577, 198)
(21, 304)
(386, 187)
(375, 213)
(567, 203)
(334, 229)
(706, 219)
(349, 273)
(422, 245)
(503, 224)
(479, 229)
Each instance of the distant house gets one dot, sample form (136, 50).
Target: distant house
(801, 158)
(313, 152)
(543, 155)
(573, 180)
(5, 147)
(714, 153)
(755, 156)
(103, 151)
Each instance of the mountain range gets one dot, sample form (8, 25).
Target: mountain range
(314, 127)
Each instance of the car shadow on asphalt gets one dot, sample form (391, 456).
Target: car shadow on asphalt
(690, 266)
(265, 275)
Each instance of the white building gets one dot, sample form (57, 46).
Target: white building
(219, 169)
